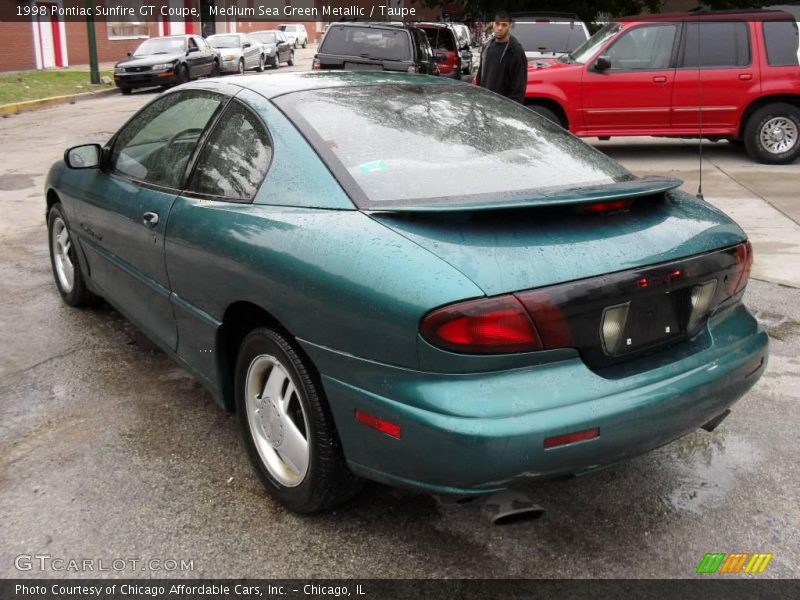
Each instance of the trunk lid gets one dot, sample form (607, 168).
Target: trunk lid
(512, 248)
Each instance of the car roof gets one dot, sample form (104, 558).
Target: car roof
(301, 81)
(712, 15)
(376, 24)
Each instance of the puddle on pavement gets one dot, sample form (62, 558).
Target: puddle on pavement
(778, 326)
(16, 181)
(706, 470)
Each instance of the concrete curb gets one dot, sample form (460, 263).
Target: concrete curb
(15, 108)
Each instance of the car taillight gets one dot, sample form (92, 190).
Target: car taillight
(412, 69)
(485, 326)
(744, 263)
(315, 65)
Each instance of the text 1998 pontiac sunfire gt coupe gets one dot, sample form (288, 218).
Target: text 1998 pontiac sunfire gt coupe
(375, 314)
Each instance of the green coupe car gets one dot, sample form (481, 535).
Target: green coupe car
(408, 279)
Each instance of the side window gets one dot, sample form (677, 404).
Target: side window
(235, 159)
(716, 45)
(783, 43)
(192, 43)
(156, 145)
(643, 48)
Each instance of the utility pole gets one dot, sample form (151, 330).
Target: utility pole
(94, 68)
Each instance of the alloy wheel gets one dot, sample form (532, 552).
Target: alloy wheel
(277, 420)
(778, 135)
(65, 270)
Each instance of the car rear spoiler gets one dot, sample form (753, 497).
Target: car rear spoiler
(624, 190)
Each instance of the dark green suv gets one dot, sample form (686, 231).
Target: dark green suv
(375, 47)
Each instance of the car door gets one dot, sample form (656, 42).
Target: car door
(205, 230)
(123, 217)
(634, 94)
(715, 70)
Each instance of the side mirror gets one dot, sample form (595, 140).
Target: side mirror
(603, 63)
(247, 45)
(130, 53)
(86, 156)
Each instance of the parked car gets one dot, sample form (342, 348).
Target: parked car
(166, 61)
(239, 53)
(379, 317)
(464, 41)
(296, 34)
(277, 48)
(445, 48)
(549, 34)
(650, 77)
(364, 46)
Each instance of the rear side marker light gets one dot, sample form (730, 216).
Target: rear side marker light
(613, 327)
(571, 438)
(391, 429)
(700, 302)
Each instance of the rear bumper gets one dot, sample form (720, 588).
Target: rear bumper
(474, 433)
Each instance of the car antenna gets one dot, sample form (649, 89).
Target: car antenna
(700, 111)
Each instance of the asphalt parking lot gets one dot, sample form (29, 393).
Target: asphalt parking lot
(109, 450)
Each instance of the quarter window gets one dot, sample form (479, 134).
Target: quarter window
(716, 45)
(783, 43)
(155, 147)
(235, 158)
(643, 48)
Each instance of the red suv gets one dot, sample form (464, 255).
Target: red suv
(445, 48)
(650, 77)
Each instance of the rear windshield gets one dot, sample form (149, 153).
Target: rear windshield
(367, 42)
(441, 143)
(549, 37)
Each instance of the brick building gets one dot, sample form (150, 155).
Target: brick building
(41, 42)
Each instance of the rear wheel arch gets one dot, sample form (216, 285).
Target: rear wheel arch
(761, 102)
(239, 319)
(552, 106)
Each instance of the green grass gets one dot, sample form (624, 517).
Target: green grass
(32, 85)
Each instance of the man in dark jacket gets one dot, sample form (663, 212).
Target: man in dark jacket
(504, 67)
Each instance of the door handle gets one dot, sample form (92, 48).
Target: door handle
(660, 79)
(150, 219)
(745, 76)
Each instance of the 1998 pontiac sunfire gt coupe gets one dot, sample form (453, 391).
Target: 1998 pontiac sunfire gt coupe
(375, 314)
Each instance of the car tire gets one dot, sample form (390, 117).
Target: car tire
(290, 62)
(260, 67)
(281, 404)
(215, 69)
(772, 134)
(126, 91)
(240, 70)
(276, 61)
(305, 43)
(545, 112)
(67, 272)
